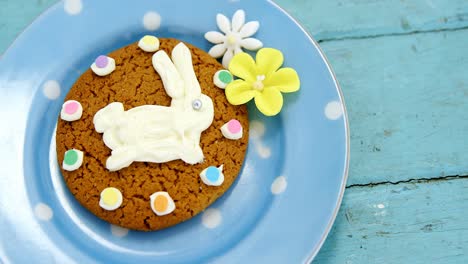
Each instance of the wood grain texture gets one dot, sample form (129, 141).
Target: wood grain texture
(406, 223)
(406, 98)
(336, 19)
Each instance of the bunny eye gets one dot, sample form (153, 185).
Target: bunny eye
(197, 104)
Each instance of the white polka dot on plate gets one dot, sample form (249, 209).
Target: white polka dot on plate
(279, 185)
(118, 231)
(152, 20)
(43, 212)
(212, 218)
(333, 110)
(73, 7)
(263, 152)
(257, 129)
(51, 89)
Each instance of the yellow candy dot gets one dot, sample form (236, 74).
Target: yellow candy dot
(109, 196)
(149, 40)
(160, 203)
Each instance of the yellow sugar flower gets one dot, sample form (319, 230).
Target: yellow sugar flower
(262, 80)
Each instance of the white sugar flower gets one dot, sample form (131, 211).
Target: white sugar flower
(237, 35)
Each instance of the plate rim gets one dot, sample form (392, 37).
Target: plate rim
(316, 249)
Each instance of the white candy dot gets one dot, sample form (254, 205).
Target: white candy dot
(279, 185)
(51, 89)
(73, 7)
(212, 218)
(263, 152)
(257, 129)
(43, 212)
(381, 206)
(151, 20)
(118, 231)
(333, 110)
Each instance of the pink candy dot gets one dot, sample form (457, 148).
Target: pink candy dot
(102, 61)
(234, 126)
(71, 107)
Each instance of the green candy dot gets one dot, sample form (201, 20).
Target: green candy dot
(225, 76)
(71, 157)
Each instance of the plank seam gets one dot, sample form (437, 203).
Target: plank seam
(420, 180)
(392, 34)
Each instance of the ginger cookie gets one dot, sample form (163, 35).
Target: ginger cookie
(145, 140)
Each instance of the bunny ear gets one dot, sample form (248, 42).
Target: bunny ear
(182, 59)
(173, 82)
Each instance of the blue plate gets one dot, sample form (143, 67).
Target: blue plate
(278, 211)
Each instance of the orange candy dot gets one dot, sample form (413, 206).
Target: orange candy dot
(160, 203)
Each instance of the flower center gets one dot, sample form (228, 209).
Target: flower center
(231, 39)
(258, 85)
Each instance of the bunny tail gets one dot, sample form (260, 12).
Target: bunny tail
(106, 117)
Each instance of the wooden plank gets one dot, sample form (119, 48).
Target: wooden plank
(404, 223)
(406, 98)
(335, 19)
(15, 16)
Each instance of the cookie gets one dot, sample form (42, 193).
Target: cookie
(134, 82)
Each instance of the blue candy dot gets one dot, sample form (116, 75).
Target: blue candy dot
(212, 174)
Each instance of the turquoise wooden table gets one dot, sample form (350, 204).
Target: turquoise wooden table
(403, 68)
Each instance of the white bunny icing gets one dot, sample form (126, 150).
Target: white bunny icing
(153, 133)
